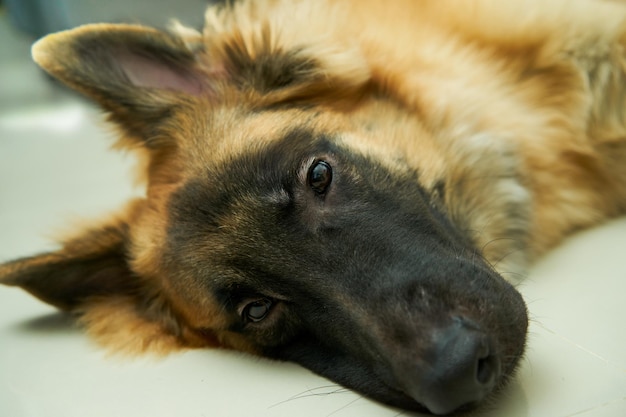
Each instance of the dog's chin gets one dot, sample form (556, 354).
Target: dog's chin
(406, 402)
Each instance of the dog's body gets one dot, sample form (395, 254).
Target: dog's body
(344, 184)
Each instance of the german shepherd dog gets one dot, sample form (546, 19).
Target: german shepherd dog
(345, 184)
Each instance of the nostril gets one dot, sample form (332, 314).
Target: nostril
(486, 370)
(463, 368)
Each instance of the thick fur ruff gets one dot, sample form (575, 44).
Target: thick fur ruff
(345, 184)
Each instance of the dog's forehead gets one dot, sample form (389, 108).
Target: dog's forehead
(240, 167)
(252, 180)
(212, 134)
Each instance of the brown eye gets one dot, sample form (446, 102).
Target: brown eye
(257, 310)
(320, 176)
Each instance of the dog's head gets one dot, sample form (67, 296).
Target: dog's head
(286, 215)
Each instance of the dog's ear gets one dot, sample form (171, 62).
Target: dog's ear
(90, 265)
(136, 73)
(90, 275)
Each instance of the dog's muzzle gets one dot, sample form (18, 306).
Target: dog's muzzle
(460, 369)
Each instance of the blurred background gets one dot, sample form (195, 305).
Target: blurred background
(24, 21)
(54, 157)
(39, 17)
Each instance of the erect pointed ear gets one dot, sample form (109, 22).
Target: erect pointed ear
(91, 265)
(90, 275)
(136, 73)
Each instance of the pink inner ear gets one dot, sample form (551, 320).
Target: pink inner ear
(152, 73)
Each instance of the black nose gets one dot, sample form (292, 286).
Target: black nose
(461, 370)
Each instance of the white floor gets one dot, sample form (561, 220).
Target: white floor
(55, 166)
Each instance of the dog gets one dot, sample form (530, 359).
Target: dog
(354, 186)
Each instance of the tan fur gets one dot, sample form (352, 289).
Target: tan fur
(515, 105)
(561, 55)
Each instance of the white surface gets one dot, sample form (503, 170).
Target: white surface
(54, 165)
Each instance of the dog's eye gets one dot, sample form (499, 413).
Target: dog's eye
(257, 310)
(320, 176)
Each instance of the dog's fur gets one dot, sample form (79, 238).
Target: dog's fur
(345, 183)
